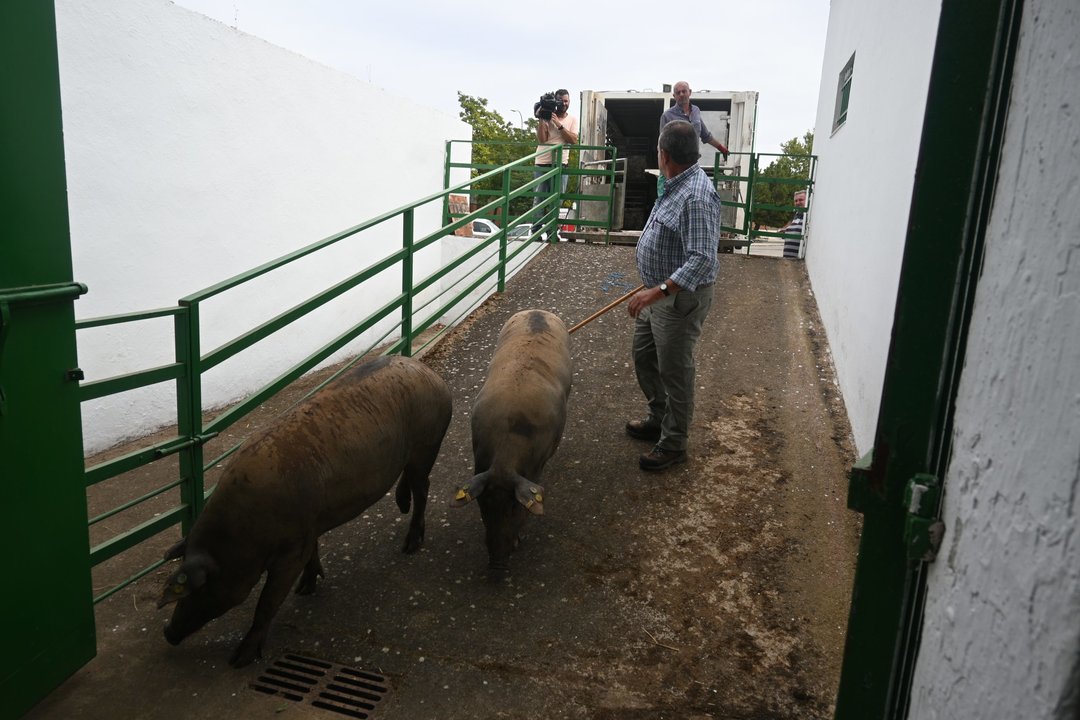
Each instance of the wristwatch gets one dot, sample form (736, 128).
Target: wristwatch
(664, 289)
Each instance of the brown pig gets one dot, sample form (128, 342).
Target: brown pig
(517, 422)
(318, 466)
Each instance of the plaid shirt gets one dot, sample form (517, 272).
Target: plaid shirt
(680, 239)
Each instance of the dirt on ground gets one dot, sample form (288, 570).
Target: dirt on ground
(716, 589)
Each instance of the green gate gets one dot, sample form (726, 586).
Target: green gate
(760, 204)
(48, 619)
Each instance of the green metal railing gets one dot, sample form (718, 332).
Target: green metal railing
(484, 266)
(519, 182)
(745, 189)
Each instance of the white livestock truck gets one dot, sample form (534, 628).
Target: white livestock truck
(629, 120)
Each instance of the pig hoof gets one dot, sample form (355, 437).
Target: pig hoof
(498, 573)
(245, 654)
(171, 637)
(413, 542)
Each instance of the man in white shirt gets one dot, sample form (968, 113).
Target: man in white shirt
(558, 128)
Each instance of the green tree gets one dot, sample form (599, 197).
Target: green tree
(779, 181)
(496, 142)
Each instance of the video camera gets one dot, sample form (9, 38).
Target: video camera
(549, 103)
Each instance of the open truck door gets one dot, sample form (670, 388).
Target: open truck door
(594, 121)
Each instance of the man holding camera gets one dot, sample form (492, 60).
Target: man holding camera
(554, 126)
(676, 258)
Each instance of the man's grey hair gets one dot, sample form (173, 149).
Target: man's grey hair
(679, 139)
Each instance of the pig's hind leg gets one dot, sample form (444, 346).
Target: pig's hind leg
(280, 577)
(415, 481)
(313, 570)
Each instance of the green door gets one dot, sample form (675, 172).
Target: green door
(898, 489)
(46, 608)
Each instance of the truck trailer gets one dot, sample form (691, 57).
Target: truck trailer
(629, 120)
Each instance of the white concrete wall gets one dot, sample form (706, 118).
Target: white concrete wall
(862, 196)
(1002, 623)
(195, 152)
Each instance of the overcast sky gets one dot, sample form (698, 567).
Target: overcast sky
(494, 49)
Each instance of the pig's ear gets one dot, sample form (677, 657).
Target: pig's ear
(187, 579)
(468, 493)
(529, 494)
(176, 550)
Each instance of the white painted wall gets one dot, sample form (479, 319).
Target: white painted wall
(195, 152)
(862, 196)
(1002, 623)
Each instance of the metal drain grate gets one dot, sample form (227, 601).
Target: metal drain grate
(325, 685)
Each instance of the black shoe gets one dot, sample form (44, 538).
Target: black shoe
(643, 430)
(659, 458)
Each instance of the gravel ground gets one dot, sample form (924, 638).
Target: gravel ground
(717, 589)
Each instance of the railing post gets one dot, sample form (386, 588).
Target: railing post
(614, 192)
(407, 282)
(750, 200)
(189, 413)
(556, 159)
(505, 230)
(447, 152)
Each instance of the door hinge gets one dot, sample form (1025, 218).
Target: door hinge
(923, 529)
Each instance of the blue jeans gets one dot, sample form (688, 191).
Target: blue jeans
(544, 187)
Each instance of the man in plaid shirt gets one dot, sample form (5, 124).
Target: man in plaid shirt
(676, 258)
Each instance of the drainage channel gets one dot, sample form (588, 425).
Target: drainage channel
(324, 685)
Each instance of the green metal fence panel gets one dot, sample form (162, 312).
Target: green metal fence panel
(741, 193)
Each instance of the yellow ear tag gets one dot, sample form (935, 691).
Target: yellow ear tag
(539, 498)
(462, 495)
(178, 589)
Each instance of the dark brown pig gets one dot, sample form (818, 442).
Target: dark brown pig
(517, 423)
(321, 464)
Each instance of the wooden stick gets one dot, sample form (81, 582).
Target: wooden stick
(604, 309)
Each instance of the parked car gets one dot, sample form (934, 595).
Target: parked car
(483, 228)
(519, 232)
